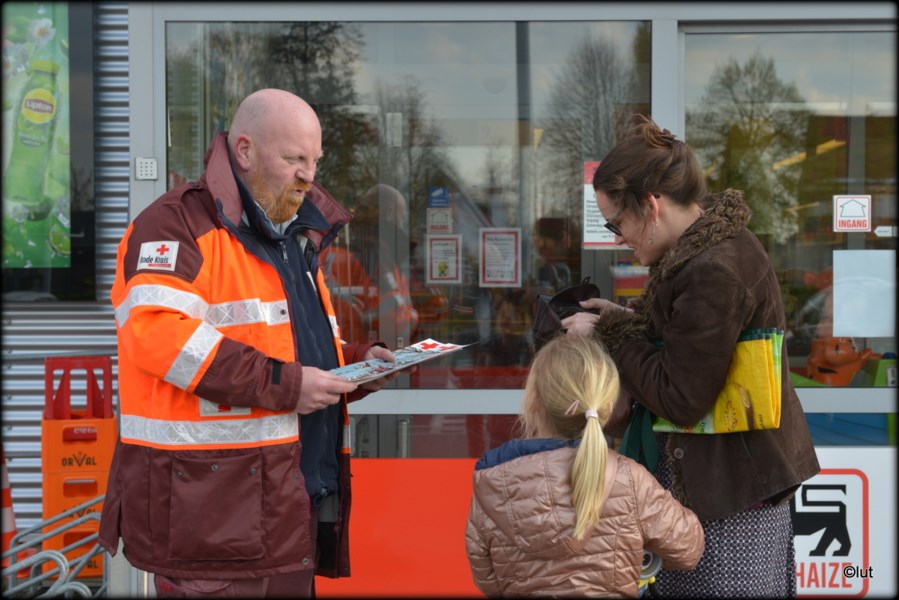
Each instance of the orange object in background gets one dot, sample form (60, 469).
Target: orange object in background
(836, 360)
(76, 450)
(9, 517)
(407, 530)
(9, 527)
(628, 282)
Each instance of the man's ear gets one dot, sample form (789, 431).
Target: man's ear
(243, 149)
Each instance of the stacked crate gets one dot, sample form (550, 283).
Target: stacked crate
(76, 451)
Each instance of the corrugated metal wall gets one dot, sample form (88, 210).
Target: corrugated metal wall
(32, 330)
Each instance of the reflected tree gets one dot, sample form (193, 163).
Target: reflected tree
(745, 129)
(317, 61)
(590, 102)
(419, 160)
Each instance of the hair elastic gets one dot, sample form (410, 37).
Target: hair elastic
(591, 414)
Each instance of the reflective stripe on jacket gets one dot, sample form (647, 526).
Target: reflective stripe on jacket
(175, 416)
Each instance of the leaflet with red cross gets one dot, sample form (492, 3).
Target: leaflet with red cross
(376, 368)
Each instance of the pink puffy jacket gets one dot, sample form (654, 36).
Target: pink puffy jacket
(520, 532)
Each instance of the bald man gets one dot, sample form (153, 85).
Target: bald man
(226, 336)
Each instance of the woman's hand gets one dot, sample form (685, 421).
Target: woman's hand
(600, 304)
(582, 323)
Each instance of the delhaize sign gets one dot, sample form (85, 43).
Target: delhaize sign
(844, 525)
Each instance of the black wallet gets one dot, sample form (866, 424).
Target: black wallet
(552, 308)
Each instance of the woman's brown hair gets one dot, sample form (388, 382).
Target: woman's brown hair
(649, 160)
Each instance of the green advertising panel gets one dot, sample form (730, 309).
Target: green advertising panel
(36, 163)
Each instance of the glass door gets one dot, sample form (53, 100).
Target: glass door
(805, 122)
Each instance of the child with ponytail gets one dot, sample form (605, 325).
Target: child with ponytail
(557, 512)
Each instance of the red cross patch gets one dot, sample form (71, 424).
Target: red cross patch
(158, 256)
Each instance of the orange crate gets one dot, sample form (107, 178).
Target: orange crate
(76, 445)
(63, 491)
(76, 449)
(58, 401)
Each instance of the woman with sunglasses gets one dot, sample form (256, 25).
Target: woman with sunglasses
(709, 280)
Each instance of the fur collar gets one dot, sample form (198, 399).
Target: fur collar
(726, 215)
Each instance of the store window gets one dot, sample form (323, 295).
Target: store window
(460, 148)
(806, 124)
(48, 149)
(446, 139)
(443, 139)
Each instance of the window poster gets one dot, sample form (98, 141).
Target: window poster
(500, 257)
(36, 165)
(595, 235)
(444, 259)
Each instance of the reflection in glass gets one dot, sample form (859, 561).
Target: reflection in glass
(495, 118)
(795, 119)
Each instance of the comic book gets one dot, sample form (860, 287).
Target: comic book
(369, 370)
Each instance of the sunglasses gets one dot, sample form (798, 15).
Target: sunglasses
(609, 225)
(612, 226)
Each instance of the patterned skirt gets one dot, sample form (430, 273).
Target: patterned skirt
(749, 554)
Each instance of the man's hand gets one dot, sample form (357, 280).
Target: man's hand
(379, 352)
(321, 389)
(384, 354)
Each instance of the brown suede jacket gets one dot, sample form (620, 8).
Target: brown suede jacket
(716, 282)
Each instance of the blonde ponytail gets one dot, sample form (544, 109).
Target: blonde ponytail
(569, 393)
(588, 477)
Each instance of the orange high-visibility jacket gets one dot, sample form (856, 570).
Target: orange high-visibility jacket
(206, 479)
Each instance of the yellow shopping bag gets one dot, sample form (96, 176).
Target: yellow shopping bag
(751, 397)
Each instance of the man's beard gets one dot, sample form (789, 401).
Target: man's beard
(282, 208)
